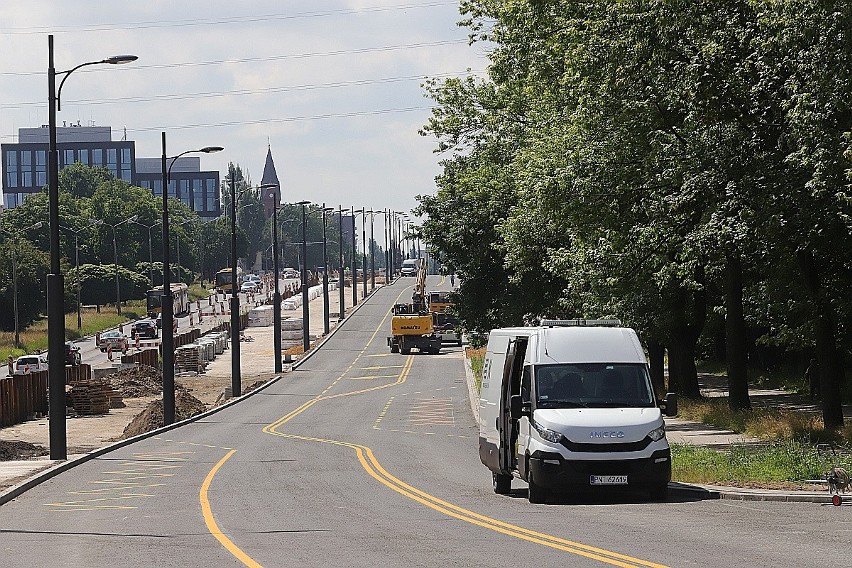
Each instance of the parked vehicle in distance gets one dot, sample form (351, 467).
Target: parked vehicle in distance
(72, 354)
(409, 267)
(289, 273)
(248, 287)
(26, 364)
(144, 329)
(117, 340)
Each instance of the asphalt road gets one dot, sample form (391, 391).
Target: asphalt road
(361, 457)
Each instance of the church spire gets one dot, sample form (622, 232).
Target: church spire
(270, 177)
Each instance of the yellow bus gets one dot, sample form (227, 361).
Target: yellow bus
(223, 279)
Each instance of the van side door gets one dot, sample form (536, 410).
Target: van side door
(507, 425)
(524, 420)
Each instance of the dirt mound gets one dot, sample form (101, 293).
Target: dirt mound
(136, 382)
(151, 418)
(15, 450)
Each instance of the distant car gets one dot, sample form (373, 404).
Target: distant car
(251, 278)
(72, 354)
(26, 364)
(117, 340)
(144, 329)
(248, 287)
(409, 267)
(289, 273)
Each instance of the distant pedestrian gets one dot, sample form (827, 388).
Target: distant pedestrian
(812, 379)
(452, 278)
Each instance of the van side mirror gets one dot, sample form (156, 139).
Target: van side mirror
(516, 406)
(669, 404)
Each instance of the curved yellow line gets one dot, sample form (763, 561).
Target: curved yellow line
(207, 512)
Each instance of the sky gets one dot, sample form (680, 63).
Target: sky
(333, 87)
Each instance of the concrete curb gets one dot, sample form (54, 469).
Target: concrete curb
(16, 490)
(471, 387)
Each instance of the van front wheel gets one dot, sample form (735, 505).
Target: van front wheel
(502, 483)
(537, 493)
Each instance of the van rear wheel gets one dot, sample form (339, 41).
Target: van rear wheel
(502, 483)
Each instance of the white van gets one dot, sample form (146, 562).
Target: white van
(569, 406)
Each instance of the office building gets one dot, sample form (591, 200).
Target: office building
(24, 166)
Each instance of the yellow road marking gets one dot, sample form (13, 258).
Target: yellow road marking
(369, 377)
(212, 527)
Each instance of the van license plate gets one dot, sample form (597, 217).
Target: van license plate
(608, 480)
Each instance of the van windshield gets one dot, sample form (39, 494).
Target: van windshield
(593, 385)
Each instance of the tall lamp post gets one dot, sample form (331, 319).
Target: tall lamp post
(342, 270)
(55, 280)
(306, 324)
(150, 250)
(115, 259)
(353, 268)
(325, 308)
(167, 300)
(276, 296)
(76, 233)
(372, 255)
(363, 247)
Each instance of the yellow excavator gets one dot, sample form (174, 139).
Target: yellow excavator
(413, 325)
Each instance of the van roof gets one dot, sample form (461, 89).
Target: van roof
(579, 344)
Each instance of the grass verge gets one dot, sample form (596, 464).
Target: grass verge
(784, 464)
(477, 358)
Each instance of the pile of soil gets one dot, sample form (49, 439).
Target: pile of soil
(15, 450)
(137, 382)
(151, 418)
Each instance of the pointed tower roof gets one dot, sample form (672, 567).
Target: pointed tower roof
(269, 199)
(269, 174)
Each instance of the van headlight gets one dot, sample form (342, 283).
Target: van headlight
(658, 434)
(549, 435)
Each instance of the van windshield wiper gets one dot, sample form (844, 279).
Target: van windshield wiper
(565, 403)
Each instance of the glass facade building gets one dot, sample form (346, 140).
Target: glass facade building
(24, 166)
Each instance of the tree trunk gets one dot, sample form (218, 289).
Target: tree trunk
(683, 375)
(657, 361)
(691, 314)
(825, 329)
(735, 335)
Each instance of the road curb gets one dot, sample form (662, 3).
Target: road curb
(471, 386)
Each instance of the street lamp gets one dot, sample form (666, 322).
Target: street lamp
(363, 249)
(387, 249)
(306, 328)
(325, 307)
(354, 270)
(167, 300)
(115, 259)
(342, 269)
(276, 295)
(150, 250)
(76, 232)
(372, 255)
(15, 278)
(55, 280)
